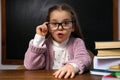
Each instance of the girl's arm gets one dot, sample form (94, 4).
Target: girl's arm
(80, 56)
(34, 57)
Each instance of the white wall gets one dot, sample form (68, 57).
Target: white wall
(14, 66)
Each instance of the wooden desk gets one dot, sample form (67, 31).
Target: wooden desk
(39, 75)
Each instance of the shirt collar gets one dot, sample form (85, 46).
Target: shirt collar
(62, 45)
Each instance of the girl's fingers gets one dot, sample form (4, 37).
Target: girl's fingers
(65, 72)
(44, 26)
(45, 23)
(67, 75)
(42, 29)
(56, 74)
(62, 73)
(72, 75)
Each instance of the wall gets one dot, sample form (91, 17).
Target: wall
(4, 66)
(14, 66)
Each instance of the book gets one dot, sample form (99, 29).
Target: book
(110, 77)
(100, 72)
(115, 67)
(116, 73)
(109, 52)
(107, 44)
(104, 72)
(100, 62)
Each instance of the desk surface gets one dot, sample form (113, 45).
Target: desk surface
(39, 75)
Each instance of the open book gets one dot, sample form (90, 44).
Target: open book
(105, 62)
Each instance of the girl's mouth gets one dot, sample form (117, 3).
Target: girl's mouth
(60, 35)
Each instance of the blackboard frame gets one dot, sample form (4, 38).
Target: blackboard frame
(19, 61)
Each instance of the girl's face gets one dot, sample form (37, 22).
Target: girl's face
(62, 21)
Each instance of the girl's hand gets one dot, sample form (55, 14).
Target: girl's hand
(66, 71)
(42, 29)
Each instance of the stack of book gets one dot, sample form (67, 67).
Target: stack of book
(107, 59)
(108, 48)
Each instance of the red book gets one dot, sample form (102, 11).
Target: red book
(109, 77)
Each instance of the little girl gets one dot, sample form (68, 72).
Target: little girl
(58, 44)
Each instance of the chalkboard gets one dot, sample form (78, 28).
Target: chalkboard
(20, 18)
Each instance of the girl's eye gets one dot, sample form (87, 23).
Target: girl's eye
(66, 23)
(54, 24)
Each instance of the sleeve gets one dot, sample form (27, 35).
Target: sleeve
(79, 55)
(75, 67)
(35, 56)
(38, 40)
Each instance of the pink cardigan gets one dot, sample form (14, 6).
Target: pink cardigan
(42, 58)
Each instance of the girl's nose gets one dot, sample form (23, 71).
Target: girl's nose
(60, 27)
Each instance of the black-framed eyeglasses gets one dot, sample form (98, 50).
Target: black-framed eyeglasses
(55, 25)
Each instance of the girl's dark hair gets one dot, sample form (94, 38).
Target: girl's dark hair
(77, 31)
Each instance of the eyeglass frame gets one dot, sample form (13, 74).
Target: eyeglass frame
(59, 24)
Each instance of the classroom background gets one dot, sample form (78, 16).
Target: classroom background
(14, 66)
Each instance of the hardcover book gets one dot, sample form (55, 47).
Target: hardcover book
(109, 52)
(107, 44)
